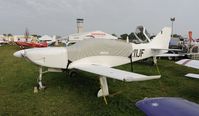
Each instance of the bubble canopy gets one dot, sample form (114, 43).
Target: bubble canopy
(142, 34)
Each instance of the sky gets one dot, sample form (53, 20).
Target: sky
(58, 17)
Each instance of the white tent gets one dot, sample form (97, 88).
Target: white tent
(90, 35)
(48, 39)
(45, 38)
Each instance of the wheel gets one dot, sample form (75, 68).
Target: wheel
(39, 87)
(72, 73)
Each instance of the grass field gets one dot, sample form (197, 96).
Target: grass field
(77, 96)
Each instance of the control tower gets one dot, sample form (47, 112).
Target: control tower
(80, 27)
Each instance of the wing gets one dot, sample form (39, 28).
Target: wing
(192, 75)
(189, 63)
(168, 106)
(115, 73)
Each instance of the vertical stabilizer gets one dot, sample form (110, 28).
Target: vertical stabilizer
(161, 41)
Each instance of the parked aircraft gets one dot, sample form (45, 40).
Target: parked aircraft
(190, 63)
(168, 106)
(31, 44)
(98, 56)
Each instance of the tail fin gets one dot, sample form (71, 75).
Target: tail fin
(162, 39)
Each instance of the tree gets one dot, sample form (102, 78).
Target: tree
(132, 37)
(38, 36)
(123, 36)
(176, 35)
(114, 35)
(34, 35)
(5, 35)
(9, 35)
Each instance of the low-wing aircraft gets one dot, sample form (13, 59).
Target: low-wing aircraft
(190, 63)
(31, 44)
(168, 106)
(98, 56)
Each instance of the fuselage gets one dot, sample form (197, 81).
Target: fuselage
(32, 44)
(108, 53)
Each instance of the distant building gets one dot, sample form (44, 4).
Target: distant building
(23, 38)
(14, 38)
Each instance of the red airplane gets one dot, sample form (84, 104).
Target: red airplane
(31, 44)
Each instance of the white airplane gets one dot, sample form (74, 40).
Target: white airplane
(98, 56)
(190, 63)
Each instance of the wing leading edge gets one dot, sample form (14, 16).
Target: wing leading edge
(115, 73)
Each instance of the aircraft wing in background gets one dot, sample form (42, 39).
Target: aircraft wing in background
(168, 106)
(190, 63)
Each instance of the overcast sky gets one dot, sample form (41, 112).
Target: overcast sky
(58, 17)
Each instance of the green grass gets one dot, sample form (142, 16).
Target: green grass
(77, 96)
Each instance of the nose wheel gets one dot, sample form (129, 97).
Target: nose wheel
(40, 85)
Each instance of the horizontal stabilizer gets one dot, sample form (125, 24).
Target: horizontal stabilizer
(115, 73)
(167, 49)
(170, 55)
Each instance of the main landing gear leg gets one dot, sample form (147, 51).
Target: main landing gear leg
(155, 60)
(103, 92)
(41, 86)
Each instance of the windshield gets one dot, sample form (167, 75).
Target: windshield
(147, 34)
(142, 35)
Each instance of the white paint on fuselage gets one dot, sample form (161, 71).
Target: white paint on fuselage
(55, 57)
(143, 52)
(108, 61)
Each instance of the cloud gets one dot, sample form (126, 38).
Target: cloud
(113, 16)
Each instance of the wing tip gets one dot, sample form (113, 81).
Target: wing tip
(143, 78)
